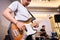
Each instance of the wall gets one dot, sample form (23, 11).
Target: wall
(3, 21)
(38, 3)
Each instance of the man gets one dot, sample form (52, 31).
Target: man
(43, 33)
(22, 14)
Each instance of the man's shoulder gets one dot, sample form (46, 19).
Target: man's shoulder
(42, 30)
(16, 2)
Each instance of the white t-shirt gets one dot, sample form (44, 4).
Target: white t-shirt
(22, 13)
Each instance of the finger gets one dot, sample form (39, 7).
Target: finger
(20, 28)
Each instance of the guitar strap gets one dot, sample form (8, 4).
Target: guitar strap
(33, 18)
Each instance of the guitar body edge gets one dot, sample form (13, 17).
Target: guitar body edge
(15, 33)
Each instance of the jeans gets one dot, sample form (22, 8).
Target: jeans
(9, 32)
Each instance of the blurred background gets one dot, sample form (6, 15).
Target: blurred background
(44, 10)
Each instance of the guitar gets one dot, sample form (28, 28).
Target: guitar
(18, 34)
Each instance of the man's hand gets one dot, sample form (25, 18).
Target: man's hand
(35, 24)
(20, 25)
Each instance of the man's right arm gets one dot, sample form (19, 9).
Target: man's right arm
(7, 15)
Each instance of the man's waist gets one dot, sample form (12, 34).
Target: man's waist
(28, 20)
(23, 19)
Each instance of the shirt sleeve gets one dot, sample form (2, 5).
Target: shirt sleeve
(13, 5)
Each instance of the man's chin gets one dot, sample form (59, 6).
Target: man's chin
(27, 4)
